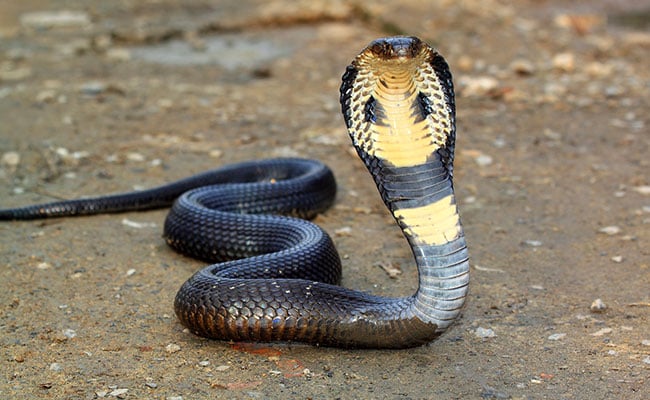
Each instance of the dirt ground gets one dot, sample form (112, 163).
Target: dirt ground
(552, 178)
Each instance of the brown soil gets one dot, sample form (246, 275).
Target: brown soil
(552, 178)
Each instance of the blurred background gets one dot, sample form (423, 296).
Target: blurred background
(551, 177)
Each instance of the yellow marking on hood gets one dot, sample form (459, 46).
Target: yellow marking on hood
(434, 224)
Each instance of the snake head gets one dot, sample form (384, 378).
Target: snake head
(396, 47)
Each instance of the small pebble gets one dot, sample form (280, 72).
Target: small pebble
(484, 332)
(204, 363)
(602, 332)
(69, 333)
(93, 88)
(477, 86)
(646, 360)
(483, 160)
(470, 200)
(10, 159)
(130, 272)
(138, 225)
(55, 367)
(564, 62)
(118, 392)
(597, 306)
(172, 348)
(522, 67)
(532, 243)
(222, 368)
(392, 270)
(644, 189)
(487, 269)
(645, 342)
(174, 398)
(55, 19)
(556, 336)
(617, 259)
(133, 156)
(215, 153)
(344, 231)
(43, 265)
(610, 230)
(551, 134)
(151, 385)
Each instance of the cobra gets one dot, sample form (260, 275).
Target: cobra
(275, 277)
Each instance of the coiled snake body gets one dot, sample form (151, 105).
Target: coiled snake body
(274, 278)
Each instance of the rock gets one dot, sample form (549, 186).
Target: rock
(556, 336)
(55, 19)
(343, 231)
(10, 160)
(564, 62)
(602, 332)
(118, 392)
(93, 88)
(643, 189)
(55, 367)
(133, 156)
(69, 333)
(172, 348)
(484, 333)
(597, 306)
(477, 86)
(610, 230)
(522, 67)
(14, 74)
(483, 160)
(580, 23)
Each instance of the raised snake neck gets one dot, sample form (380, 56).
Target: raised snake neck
(275, 278)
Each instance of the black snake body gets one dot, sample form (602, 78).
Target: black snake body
(275, 278)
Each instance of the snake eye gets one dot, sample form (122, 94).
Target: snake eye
(396, 47)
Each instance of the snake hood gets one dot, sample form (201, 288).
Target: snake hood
(397, 100)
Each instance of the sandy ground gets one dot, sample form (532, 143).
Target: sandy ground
(552, 178)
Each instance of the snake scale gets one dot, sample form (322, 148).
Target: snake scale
(274, 277)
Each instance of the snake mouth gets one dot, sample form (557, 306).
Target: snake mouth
(396, 48)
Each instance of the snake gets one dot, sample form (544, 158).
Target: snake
(273, 275)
